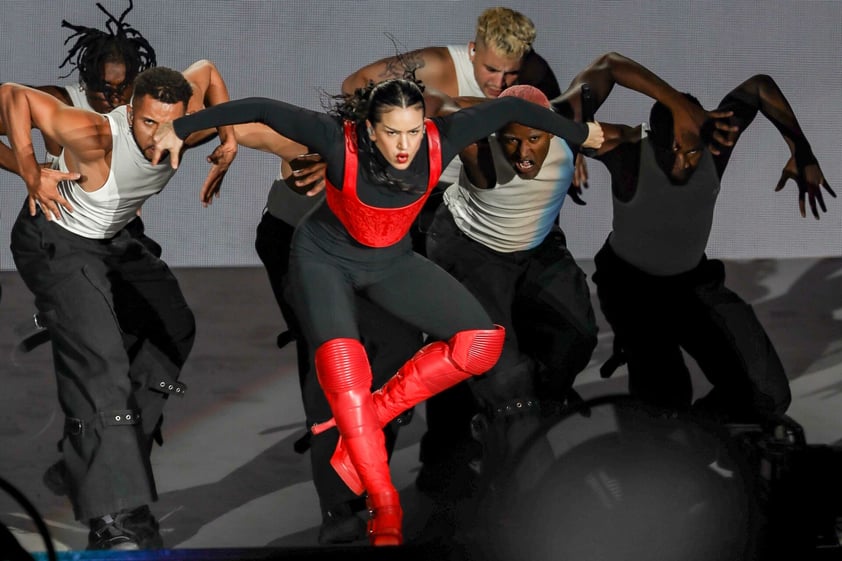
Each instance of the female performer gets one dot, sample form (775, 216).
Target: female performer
(383, 160)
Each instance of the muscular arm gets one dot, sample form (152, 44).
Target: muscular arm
(761, 94)
(57, 92)
(7, 159)
(261, 137)
(52, 147)
(209, 89)
(310, 175)
(84, 134)
(433, 66)
(610, 69)
(7, 156)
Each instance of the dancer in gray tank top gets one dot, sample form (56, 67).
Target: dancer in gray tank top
(656, 287)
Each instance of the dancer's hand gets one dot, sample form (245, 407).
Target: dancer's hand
(220, 159)
(165, 140)
(724, 134)
(809, 180)
(309, 170)
(46, 194)
(580, 180)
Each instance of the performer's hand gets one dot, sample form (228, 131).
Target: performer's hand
(580, 180)
(165, 140)
(46, 193)
(724, 133)
(220, 159)
(595, 137)
(309, 169)
(689, 119)
(810, 180)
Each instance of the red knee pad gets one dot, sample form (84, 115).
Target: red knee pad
(341, 365)
(476, 350)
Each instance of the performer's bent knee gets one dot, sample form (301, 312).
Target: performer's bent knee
(476, 350)
(341, 365)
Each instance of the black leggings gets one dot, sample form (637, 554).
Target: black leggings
(388, 341)
(405, 284)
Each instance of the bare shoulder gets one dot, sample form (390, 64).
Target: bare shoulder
(432, 65)
(57, 92)
(434, 55)
(435, 67)
(84, 132)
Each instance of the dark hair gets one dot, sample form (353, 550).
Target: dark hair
(163, 84)
(94, 47)
(370, 103)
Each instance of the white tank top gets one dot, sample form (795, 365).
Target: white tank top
(465, 79)
(131, 180)
(78, 97)
(467, 86)
(516, 214)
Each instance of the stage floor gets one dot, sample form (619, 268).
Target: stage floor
(228, 476)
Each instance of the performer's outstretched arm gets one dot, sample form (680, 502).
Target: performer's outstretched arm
(761, 93)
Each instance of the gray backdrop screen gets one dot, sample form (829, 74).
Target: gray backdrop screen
(293, 50)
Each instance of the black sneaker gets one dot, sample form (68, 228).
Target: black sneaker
(127, 530)
(144, 524)
(341, 525)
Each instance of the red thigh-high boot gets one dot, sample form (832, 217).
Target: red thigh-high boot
(435, 368)
(345, 376)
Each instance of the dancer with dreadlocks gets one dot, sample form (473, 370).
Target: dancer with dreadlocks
(108, 61)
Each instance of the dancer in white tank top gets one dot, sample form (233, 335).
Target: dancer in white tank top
(99, 291)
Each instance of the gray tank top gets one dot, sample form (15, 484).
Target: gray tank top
(285, 204)
(663, 230)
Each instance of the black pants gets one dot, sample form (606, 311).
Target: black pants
(389, 343)
(120, 331)
(540, 296)
(655, 318)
